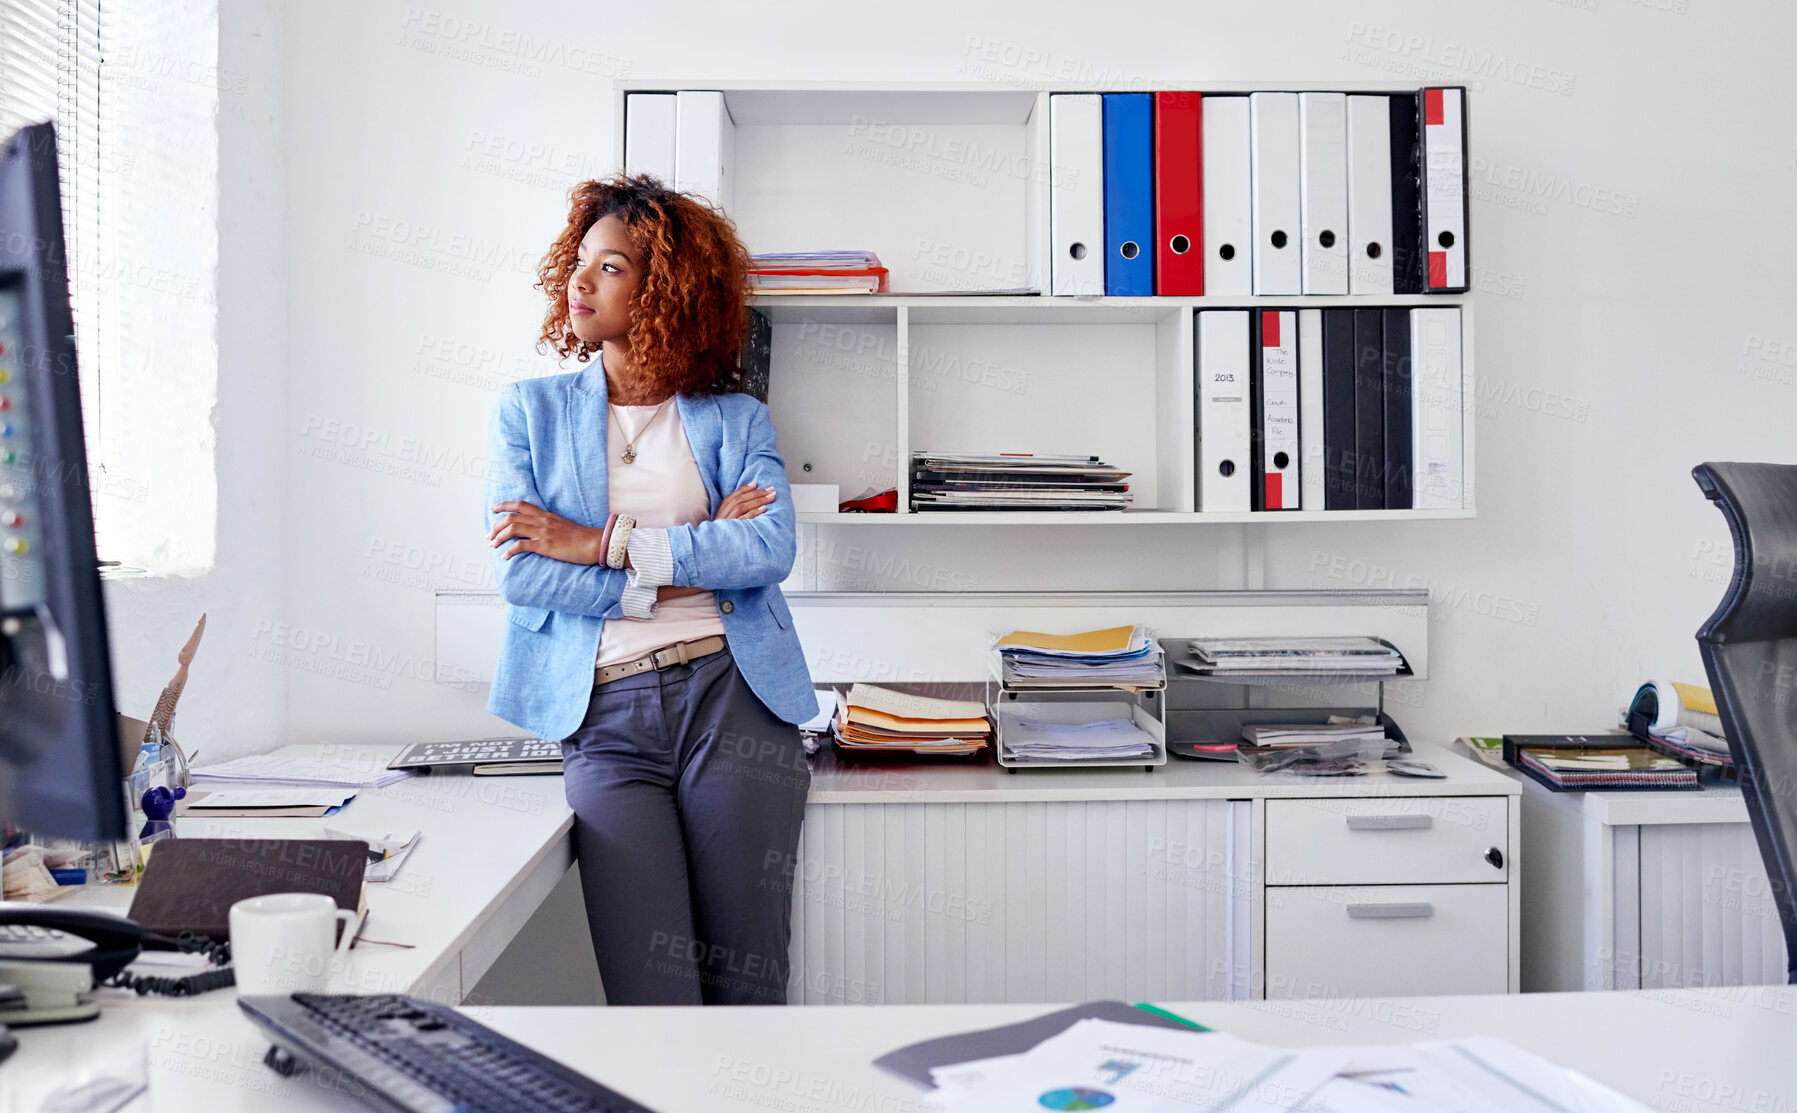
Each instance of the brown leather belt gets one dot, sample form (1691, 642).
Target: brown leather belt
(677, 654)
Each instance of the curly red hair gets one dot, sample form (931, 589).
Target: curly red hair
(690, 314)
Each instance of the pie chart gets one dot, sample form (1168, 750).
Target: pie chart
(1075, 1097)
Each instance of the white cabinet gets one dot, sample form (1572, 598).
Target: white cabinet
(915, 903)
(1645, 890)
(971, 885)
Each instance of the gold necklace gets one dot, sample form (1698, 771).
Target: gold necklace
(628, 456)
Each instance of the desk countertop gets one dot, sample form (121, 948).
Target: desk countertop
(491, 849)
(1684, 1050)
(835, 783)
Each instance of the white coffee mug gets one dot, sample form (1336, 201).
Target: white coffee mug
(281, 943)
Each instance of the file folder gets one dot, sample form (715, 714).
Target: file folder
(1228, 198)
(1076, 192)
(1406, 201)
(1369, 409)
(1437, 417)
(1180, 177)
(704, 146)
(1399, 400)
(1224, 413)
(1369, 195)
(1444, 190)
(1310, 410)
(649, 122)
(1129, 184)
(1273, 156)
(1275, 405)
(1338, 410)
(1323, 201)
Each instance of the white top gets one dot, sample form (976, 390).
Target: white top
(833, 782)
(1722, 1049)
(661, 487)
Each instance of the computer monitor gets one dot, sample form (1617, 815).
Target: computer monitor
(60, 765)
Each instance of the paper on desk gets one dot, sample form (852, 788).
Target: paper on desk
(1130, 1068)
(294, 797)
(1479, 1075)
(394, 848)
(905, 705)
(1114, 639)
(277, 769)
(1106, 738)
(826, 710)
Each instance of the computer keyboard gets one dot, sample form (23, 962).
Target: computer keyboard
(422, 1057)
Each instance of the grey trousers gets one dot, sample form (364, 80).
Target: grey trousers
(688, 794)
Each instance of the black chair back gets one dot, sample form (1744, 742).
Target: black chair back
(1749, 650)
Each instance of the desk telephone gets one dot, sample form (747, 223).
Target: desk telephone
(51, 958)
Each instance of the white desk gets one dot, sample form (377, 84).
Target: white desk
(1644, 890)
(1677, 1050)
(491, 851)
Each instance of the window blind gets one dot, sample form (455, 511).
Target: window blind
(51, 68)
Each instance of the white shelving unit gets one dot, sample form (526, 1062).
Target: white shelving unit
(948, 182)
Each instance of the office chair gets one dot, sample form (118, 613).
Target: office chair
(1749, 650)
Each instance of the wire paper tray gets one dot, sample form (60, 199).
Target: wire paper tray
(1008, 712)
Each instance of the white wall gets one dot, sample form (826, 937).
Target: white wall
(375, 292)
(233, 702)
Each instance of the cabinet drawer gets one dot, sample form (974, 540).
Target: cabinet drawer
(1392, 840)
(1387, 940)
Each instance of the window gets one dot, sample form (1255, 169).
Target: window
(133, 92)
(50, 59)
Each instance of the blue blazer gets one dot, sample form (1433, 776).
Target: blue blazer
(547, 447)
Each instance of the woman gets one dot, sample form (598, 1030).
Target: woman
(642, 522)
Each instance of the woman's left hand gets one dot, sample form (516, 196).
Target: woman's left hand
(538, 531)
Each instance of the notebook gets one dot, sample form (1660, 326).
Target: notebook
(191, 884)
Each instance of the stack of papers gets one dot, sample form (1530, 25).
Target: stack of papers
(1337, 729)
(1368, 656)
(269, 803)
(817, 272)
(343, 771)
(1031, 739)
(1132, 1068)
(1015, 481)
(1116, 657)
(871, 718)
(386, 853)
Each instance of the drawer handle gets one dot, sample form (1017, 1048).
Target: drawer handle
(1389, 822)
(1421, 910)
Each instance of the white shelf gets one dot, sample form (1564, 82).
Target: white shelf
(941, 179)
(1006, 308)
(1124, 518)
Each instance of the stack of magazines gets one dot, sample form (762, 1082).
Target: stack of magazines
(1359, 656)
(1338, 729)
(1015, 481)
(817, 272)
(1119, 657)
(1607, 762)
(874, 720)
(1680, 720)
